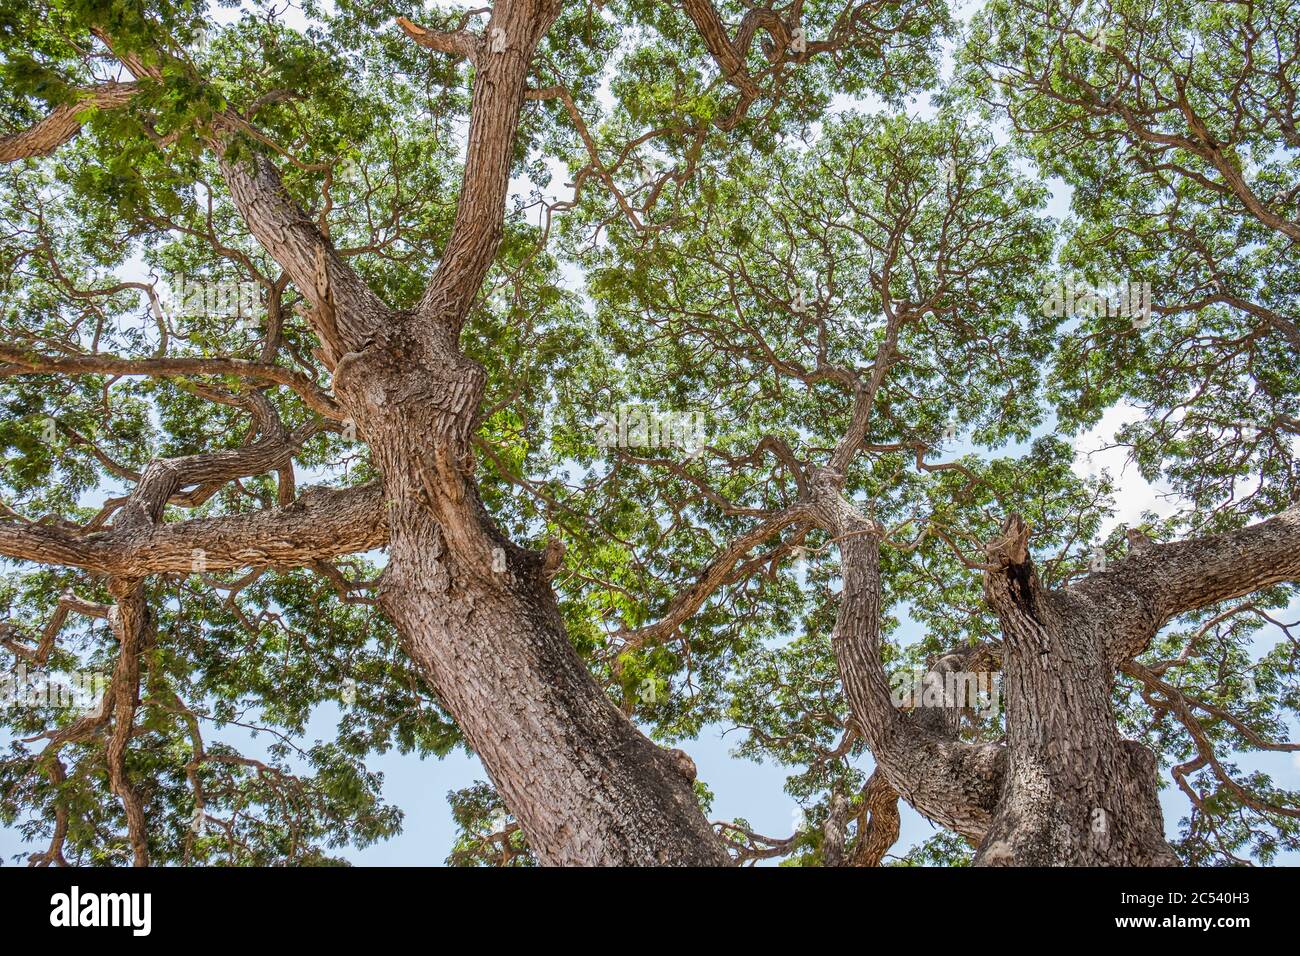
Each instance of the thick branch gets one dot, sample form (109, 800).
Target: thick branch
(1151, 586)
(503, 63)
(878, 823)
(130, 621)
(955, 784)
(63, 122)
(346, 313)
(714, 34)
(320, 524)
(459, 42)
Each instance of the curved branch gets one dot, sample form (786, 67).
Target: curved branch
(954, 784)
(717, 573)
(878, 823)
(63, 122)
(461, 43)
(130, 621)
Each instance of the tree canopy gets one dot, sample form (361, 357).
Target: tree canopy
(744, 248)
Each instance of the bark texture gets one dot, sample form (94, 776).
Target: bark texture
(952, 783)
(475, 611)
(1064, 789)
(1074, 792)
(63, 122)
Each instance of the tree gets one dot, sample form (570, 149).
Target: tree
(708, 486)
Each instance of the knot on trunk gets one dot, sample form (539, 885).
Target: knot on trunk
(1010, 581)
(683, 764)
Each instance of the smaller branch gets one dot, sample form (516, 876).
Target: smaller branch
(40, 654)
(458, 42)
(22, 363)
(1204, 747)
(716, 574)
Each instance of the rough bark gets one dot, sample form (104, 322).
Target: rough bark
(321, 523)
(878, 823)
(952, 783)
(1148, 587)
(63, 122)
(130, 620)
(1064, 788)
(585, 784)
(1074, 792)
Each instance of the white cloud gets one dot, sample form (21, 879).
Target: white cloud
(1094, 455)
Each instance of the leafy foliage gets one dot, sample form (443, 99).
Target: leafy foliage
(676, 256)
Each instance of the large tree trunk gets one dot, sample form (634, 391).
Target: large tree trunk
(475, 611)
(585, 784)
(479, 616)
(1064, 789)
(1074, 792)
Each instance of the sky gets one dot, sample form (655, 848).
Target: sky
(742, 788)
